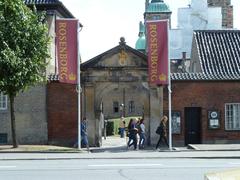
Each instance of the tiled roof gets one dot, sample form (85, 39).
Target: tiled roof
(41, 1)
(219, 52)
(53, 77)
(201, 77)
(50, 5)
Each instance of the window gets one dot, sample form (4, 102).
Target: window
(131, 106)
(115, 107)
(3, 101)
(156, 17)
(232, 116)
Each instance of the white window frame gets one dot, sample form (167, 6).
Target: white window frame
(3, 101)
(131, 105)
(232, 116)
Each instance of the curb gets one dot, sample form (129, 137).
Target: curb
(195, 148)
(42, 152)
(92, 158)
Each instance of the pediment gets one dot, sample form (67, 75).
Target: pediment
(118, 57)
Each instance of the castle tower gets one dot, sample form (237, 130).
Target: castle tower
(154, 10)
(227, 11)
(157, 10)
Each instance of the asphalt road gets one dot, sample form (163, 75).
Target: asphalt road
(113, 169)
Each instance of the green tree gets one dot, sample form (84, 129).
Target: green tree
(23, 51)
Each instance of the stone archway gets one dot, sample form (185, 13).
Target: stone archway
(121, 75)
(126, 93)
(149, 98)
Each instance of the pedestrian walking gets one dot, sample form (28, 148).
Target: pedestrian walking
(141, 132)
(84, 138)
(132, 134)
(122, 127)
(162, 131)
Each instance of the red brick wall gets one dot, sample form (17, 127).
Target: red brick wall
(208, 95)
(62, 113)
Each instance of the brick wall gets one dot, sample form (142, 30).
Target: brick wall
(208, 95)
(62, 113)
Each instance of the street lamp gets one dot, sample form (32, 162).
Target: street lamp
(121, 122)
(121, 109)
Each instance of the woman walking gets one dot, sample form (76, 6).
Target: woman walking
(132, 130)
(162, 131)
(141, 132)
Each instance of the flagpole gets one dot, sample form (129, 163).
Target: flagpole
(169, 94)
(79, 90)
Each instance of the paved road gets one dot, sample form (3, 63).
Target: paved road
(117, 169)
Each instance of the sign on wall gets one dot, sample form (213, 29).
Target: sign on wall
(157, 39)
(214, 119)
(176, 122)
(67, 49)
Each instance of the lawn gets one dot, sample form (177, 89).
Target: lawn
(115, 125)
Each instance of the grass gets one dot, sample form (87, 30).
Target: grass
(37, 148)
(116, 123)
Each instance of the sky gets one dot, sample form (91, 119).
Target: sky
(105, 21)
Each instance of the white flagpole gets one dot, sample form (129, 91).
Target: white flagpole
(79, 90)
(169, 94)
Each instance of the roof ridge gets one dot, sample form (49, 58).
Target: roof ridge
(218, 30)
(42, 1)
(202, 76)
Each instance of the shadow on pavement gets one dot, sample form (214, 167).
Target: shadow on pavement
(116, 149)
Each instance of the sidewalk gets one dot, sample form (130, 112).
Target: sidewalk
(115, 148)
(119, 144)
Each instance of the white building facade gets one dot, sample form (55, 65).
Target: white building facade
(198, 16)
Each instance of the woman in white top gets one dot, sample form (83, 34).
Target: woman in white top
(141, 132)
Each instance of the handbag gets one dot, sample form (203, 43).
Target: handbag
(159, 130)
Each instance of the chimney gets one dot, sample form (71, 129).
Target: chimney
(184, 56)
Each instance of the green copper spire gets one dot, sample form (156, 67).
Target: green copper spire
(156, 1)
(141, 42)
(157, 6)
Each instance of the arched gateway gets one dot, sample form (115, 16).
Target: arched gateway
(115, 77)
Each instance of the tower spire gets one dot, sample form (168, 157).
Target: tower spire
(146, 5)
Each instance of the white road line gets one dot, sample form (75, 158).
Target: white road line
(124, 165)
(4, 167)
(234, 163)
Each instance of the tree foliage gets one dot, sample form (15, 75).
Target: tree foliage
(23, 51)
(23, 47)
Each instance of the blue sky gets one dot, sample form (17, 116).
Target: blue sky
(105, 21)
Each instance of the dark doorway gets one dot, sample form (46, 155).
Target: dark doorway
(192, 125)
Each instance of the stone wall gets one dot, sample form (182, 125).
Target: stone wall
(31, 118)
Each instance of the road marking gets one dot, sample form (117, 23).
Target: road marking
(4, 167)
(234, 163)
(124, 165)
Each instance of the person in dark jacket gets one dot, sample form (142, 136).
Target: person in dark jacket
(163, 131)
(84, 138)
(132, 131)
